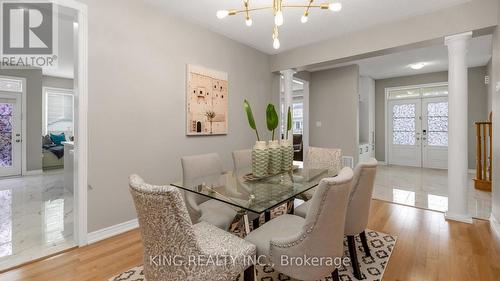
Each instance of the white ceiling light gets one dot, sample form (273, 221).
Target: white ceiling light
(249, 22)
(304, 18)
(277, 8)
(417, 66)
(335, 7)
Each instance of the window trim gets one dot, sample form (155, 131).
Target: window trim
(60, 91)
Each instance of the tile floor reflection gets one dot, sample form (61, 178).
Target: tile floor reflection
(36, 217)
(425, 188)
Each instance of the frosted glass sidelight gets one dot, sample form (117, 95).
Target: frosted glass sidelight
(404, 138)
(404, 124)
(437, 123)
(6, 110)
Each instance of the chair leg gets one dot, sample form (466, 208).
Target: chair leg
(249, 274)
(351, 243)
(364, 241)
(335, 275)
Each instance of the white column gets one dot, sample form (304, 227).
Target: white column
(287, 100)
(457, 128)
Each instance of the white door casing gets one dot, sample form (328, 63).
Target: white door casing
(10, 134)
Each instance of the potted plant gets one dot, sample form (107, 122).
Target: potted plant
(286, 146)
(274, 148)
(260, 154)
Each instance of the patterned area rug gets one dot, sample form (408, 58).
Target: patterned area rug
(373, 268)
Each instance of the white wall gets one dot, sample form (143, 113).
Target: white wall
(137, 67)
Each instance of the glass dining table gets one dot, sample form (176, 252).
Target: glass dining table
(257, 195)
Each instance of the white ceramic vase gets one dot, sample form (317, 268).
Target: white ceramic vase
(274, 149)
(260, 159)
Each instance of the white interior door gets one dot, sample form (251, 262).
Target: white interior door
(10, 134)
(435, 132)
(404, 127)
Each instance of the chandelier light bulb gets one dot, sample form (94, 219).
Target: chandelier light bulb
(276, 43)
(304, 19)
(335, 6)
(222, 14)
(249, 22)
(278, 18)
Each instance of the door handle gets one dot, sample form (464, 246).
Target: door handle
(18, 140)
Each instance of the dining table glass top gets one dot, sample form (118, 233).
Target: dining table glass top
(256, 195)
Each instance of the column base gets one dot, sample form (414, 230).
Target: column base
(457, 217)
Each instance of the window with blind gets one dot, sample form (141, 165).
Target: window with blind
(59, 111)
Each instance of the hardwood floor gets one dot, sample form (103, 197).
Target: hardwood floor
(428, 248)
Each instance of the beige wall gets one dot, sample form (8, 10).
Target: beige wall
(137, 69)
(333, 100)
(391, 37)
(33, 115)
(477, 104)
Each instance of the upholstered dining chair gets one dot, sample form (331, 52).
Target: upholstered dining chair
(322, 158)
(358, 210)
(205, 169)
(167, 233)
(242, 160)
(320, 234)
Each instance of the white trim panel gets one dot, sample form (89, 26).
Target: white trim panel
(111, 231)
(495, 225)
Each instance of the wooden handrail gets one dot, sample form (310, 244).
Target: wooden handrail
(484, 156)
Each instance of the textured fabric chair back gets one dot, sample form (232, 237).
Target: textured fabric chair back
(324, 158)
(242, 160)
(323, 231)
(165, 227)
(358, 209)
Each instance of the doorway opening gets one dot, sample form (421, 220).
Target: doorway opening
(417, 126)
(43, 148)
(300, 115)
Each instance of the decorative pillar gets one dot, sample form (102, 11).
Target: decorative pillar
(287, 99)
(458, 209)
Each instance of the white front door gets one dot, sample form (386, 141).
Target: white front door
(404, 132)
(10, 134)
(435, 133)
(418, 132)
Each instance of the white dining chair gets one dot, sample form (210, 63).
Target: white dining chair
(242, 160)
(167, 232)
(358, 210)
(322, 158)
(316, 235)
(205, 169)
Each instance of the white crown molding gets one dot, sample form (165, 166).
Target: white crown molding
(111, 231)
(458, 37)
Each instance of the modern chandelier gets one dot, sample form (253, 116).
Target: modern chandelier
(277, 9)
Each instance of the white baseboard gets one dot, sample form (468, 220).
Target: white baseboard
(382, 163)
(33, 173)
(459, 218)
(495, 225)
(111, 231)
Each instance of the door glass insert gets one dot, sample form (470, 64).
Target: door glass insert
(6, 111)
(437, 123)
(404, 124)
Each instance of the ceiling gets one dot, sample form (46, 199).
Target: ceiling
(434, 57)
(322, 25)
